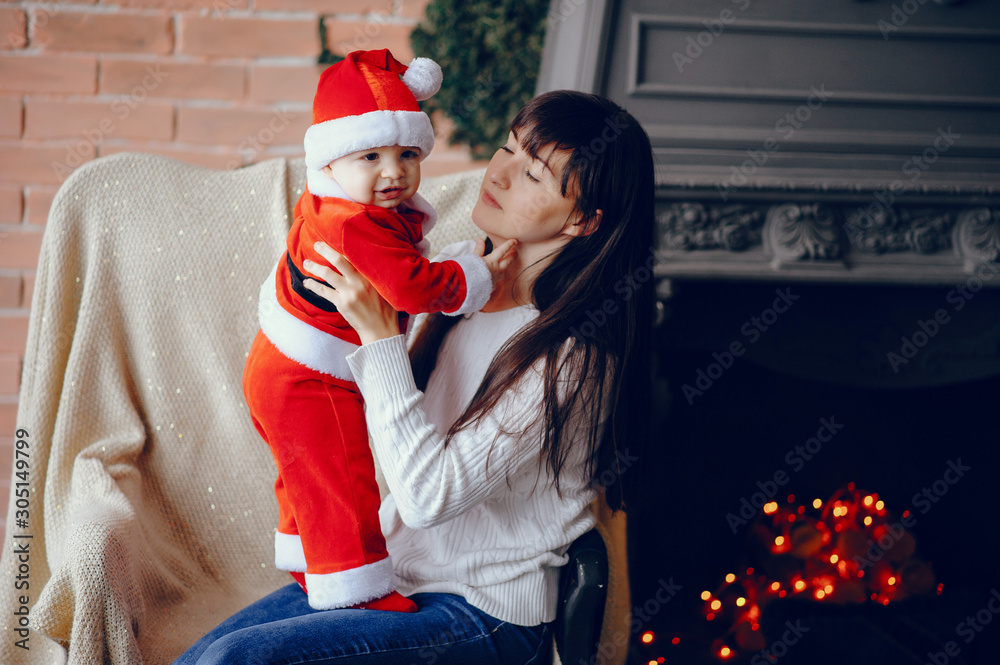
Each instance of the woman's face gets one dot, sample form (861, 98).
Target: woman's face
(520, 197)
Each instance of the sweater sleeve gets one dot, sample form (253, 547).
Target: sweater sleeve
(405, 278)
(432, 483)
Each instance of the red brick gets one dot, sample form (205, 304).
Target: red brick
(43, 164)
(14, 28)
(342, 37)
(273, 83)
(10, 292)
(243, 129)
(28, 290)
(11, 117)
(104, 33)
(247, 37)
(10, 375)
(19, 247)
(327, 7)
(11, 205)
(173, 79)
(6, 467)
(213, 158)
(13, 333)
(413, 8)
(98, 121)
(65, 75)
(38, 201)
(8, 420)
(177, 5)
(282, 153)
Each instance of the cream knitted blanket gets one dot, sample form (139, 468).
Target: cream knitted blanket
(149, 494)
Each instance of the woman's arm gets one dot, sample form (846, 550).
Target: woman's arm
(430, 482)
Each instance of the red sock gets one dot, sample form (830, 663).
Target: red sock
(300, 578)
(393, 602)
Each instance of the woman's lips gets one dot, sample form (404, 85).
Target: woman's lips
(490, 201)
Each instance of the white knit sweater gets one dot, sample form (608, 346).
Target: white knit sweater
(452, 522)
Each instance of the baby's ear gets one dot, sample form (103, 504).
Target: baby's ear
(327, 170)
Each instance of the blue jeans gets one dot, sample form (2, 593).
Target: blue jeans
(281, 629)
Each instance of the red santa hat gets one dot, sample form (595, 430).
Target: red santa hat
(369, 100)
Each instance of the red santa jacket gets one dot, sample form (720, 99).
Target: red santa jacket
(382, 244)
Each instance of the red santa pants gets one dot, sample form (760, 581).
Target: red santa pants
(328, 498)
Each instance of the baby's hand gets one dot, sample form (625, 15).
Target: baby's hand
(497, 260)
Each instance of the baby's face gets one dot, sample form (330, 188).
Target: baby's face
(384, 176)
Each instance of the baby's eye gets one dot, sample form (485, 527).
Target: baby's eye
(371, 156)
(410, 154)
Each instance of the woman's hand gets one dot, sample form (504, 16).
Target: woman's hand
(356, 299)
(499, 259)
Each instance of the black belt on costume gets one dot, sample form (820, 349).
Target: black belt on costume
(306, 294)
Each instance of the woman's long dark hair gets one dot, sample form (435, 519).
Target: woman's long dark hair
(597, 291)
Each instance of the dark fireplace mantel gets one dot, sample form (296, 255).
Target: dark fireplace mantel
(829, 241)
(832, 142)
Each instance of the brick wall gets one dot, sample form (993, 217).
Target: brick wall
(221, 83)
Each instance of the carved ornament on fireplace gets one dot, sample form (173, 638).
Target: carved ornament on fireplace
(794, 232)
(761, 238)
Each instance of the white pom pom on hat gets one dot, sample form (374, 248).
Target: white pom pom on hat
(423, 77)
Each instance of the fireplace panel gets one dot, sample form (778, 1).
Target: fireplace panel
(878, 218)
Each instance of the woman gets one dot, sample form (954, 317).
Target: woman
(491, 468)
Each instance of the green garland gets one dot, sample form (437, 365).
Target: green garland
(490, 53)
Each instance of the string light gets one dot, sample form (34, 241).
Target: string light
(828, 547)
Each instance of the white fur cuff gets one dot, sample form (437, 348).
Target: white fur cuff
(352, 586)
(288, 553)
(478, 284)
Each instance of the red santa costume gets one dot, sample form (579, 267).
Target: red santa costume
(297, 382)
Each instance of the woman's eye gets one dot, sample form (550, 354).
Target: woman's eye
(507, 150)
(531, 177)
